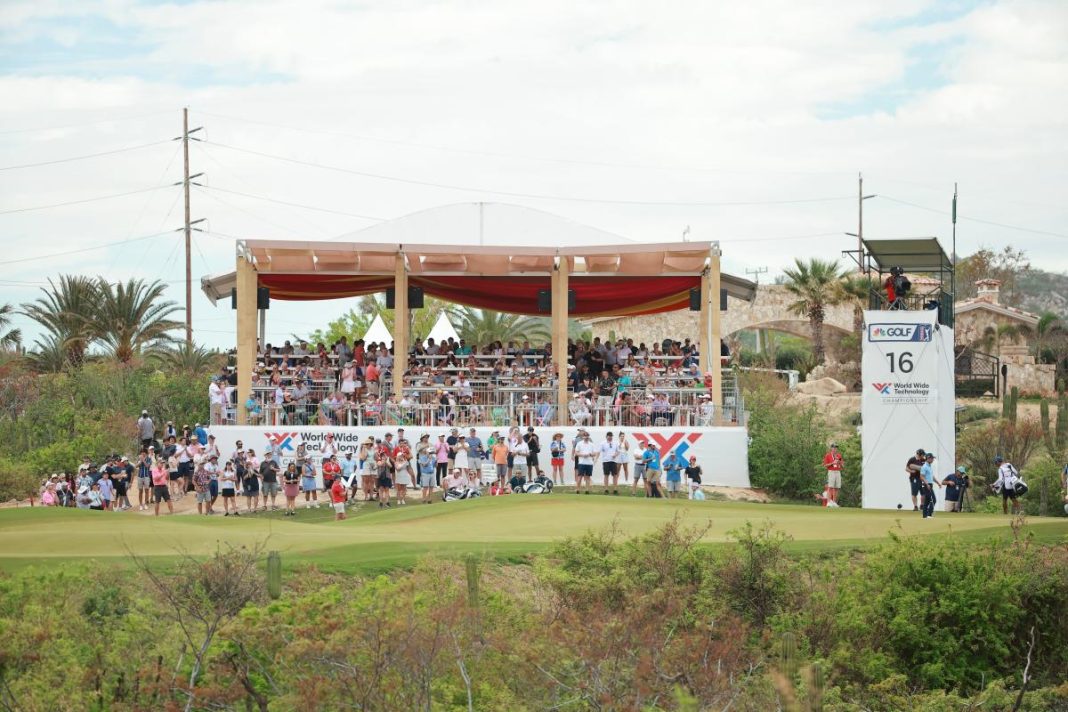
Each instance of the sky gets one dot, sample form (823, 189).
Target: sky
(746, 123)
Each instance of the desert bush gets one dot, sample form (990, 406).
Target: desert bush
(787, 445)
(977, 446)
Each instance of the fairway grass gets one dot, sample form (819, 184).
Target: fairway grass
(506, 528)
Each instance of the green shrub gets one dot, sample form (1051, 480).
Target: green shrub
(787, 446)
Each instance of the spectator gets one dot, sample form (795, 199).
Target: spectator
(146, 429)
(693, 474)
(651, 461)
(832, 462)
(201, 485)
(587, 456)
(160, 490)
(228, 489)
(673, 474)
(609, 455)
(557, 451)
(291, 488)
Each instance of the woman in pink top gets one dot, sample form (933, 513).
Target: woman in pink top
(160, 491)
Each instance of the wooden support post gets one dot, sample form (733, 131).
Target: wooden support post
(715, 332)
(246, 332)
(559, 333)
(704, 320)
(400, 326)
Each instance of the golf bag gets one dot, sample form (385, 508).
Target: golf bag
(542, 485)
(1020, 487)
(455, 493)
(654, 489)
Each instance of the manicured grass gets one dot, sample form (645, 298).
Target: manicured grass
(501, 527)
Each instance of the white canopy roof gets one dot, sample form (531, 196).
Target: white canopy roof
(377, 332)
(443, 330)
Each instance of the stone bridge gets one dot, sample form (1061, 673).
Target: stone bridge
(770, 311)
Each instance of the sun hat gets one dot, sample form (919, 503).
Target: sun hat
(962, 469)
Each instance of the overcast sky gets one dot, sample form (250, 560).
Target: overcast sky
(626, 113)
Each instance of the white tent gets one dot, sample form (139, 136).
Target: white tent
(377, 332)
(442, 330)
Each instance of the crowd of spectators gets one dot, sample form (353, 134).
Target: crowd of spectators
(454, 383)
(172, 464)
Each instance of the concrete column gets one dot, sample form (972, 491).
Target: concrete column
(716, 331)
(400, 326)
(559, 333)
(246, 333)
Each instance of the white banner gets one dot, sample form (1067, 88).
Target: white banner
(722, 452)
(907, 403)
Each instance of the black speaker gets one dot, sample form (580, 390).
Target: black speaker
(263, 297)
(415, 298)
(723, 300)
(233, 298)
(545, 300)
(695, 299)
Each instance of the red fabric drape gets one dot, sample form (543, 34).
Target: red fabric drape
(594, 296)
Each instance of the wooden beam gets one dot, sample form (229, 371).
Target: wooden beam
(400, 326)
(246, 333)
(559, 333)
(704, 323)
(716, 331)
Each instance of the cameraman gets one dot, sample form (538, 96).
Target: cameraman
(897, 288)
(955, 483)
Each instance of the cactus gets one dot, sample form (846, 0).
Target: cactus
(472, 581)
(274, 574)
(1009, 404)
(816, 686)
(1055, 437)
(788, 655)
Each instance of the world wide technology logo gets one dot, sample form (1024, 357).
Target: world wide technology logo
(899, 332)
(885, 389)
(281, 441)
(665, 443)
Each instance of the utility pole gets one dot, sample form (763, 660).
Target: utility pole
(188, 228)
(756, 273)
(859, 234)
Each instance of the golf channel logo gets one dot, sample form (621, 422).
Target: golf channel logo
(899, 332)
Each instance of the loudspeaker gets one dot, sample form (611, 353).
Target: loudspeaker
(415, 298)
(545, 300)
(723, 300)
(263, 298)
(695, 299)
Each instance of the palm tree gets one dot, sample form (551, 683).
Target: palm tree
(815, 284)
(484, 326)
(1050, 328)
(65, 311)
(189, 358)
(856, 289)
(9, 338)
(132, 316)
(48, 355)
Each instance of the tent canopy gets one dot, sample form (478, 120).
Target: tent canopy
(377, 332)
(443, 330)
(921, 254)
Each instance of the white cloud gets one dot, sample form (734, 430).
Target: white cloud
(737, 93)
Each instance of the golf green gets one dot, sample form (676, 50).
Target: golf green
(504, 527)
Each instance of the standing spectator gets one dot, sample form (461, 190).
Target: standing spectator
(459, 456)
(122, 483)
(557, 452)
(331, 471)
(384, 481)
(146, 429)
(107, 489)
(403, 472)
(291, 487)
(475, 452)
(953, 482)
(501, 454)
(228, 489)
(201, 433)
(929, 481)
(832, 462)
(586, 453)
(349, 467)
(217, 400)
(201, 485)
(1006, 484)
(269, 475)
(96, 500)
(441, 451)
(309, 485)
(160, 489)
(651, 460)
(673, 474)
(610, 462)
(623, 457)
(912, 470)
(533, 448)
(693, 474)
(426, 471)
(144, 478)
(250, 484)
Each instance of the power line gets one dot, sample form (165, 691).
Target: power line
(515, 194)
(82, 124)
(286, 202)
(87, 249)
(82, 158)
(82, 201)
(509, 156)
(976, 220)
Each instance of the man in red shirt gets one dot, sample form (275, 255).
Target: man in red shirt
(337, 496)
(832, 461)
